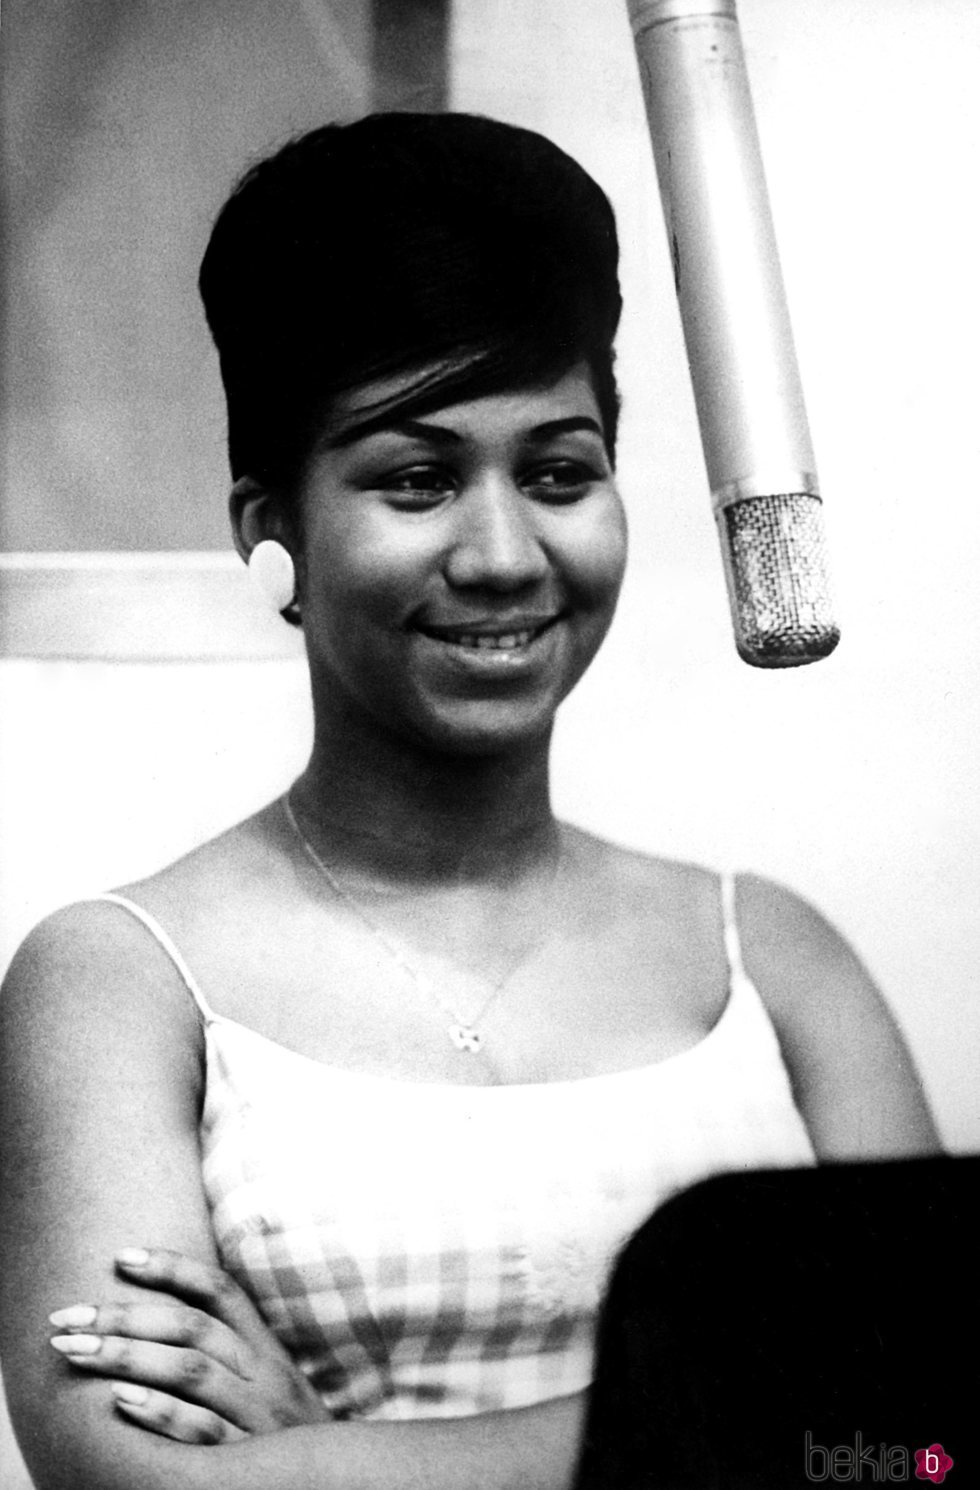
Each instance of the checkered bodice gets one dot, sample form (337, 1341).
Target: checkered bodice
(429, 1249)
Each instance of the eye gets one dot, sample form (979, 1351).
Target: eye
(561, 481)
(417, 486)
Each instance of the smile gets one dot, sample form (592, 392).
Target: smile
(505, 643)
(486, 640)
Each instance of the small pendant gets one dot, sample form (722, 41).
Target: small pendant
(465, 1038)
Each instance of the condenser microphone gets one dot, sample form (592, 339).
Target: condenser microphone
(747, 390)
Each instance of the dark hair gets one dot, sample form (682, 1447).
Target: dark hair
(475, 252)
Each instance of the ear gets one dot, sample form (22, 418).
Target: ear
(255, 513)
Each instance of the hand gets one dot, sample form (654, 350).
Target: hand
(197, 1364)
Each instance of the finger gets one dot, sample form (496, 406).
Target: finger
(164, 1321)
(208, 1287)
(170, 1416)
(182, 1373)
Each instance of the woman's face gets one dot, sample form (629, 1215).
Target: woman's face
(458, 571)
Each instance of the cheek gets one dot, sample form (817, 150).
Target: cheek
(351, 570)
(597, 555)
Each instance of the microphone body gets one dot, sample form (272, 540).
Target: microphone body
(747, 390)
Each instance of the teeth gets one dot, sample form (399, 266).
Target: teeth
(506, 643)
(481, 641)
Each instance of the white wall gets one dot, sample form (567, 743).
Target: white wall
(855, 780)
(110, 770)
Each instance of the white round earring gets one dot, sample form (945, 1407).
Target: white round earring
(273, 574)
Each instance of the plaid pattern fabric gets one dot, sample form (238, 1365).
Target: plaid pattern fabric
(433, 1250)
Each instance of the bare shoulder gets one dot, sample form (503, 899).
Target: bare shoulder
(659, 922)
(852, 1072)
(210, 897)
(674, 901)
(793, 947)
(223, 868)
(804, 968)
(654, 880)
(90, 966)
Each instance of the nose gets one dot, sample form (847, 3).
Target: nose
(496, 545)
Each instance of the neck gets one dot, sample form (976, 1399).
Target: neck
(378, 805)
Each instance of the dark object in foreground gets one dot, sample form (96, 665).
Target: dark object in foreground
(790, 1328)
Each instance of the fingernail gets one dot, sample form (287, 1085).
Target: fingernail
(133, 1257)
(75, 1318)
(128, 1391)
(77, 1344)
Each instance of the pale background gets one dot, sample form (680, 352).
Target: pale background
(856, 780)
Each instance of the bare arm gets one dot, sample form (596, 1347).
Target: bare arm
(853, 1077)
(531, 1448)
(101, 1078)
(100, 1066)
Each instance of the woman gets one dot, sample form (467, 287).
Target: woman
(371, 1088)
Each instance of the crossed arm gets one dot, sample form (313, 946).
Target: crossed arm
(100, 1071)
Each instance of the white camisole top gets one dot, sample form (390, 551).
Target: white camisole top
(428, 1249)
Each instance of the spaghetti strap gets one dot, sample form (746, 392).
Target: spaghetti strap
(733, 943)
(163, 940)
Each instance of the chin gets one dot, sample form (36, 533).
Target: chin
(487, 736)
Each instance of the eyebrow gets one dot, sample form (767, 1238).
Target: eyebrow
(439, 434)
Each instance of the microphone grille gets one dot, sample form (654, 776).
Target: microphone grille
(775, 557)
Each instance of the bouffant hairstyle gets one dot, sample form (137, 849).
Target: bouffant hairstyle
(474, 253)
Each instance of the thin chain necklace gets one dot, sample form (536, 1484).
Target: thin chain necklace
(465, 1035)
